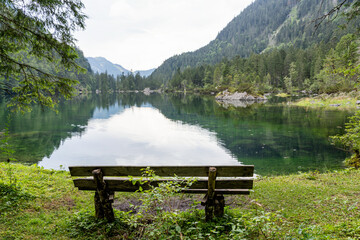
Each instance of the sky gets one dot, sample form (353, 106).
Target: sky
(142, 34)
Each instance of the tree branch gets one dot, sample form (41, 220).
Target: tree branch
(318, 21)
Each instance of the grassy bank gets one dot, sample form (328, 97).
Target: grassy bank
(43, 204)
(341, 101)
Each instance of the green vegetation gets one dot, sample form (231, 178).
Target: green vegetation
(318, 69)
(340, 101)
(351, 140)
(38, 32)
(43, 204)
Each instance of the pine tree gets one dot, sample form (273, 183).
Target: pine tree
(41, 30)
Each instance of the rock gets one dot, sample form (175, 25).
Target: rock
(335, 105)
(147, 91)
(226, 95)
(235, 103)
(358, 102)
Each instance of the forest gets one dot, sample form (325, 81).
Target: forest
(320, 68)
(259, 52)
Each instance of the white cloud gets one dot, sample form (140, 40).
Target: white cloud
(141, 34)
(140, 136)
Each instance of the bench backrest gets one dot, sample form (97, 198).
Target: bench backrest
(165, 171)
(235, 179)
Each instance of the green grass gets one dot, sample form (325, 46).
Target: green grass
(346, 102)
(43, 204)
(283, 95)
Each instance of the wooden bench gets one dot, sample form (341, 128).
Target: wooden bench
(213, 181)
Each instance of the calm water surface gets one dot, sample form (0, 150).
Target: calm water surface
(134, 129)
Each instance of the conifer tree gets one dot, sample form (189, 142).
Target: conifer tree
(40, 30)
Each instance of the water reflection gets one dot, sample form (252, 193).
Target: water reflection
(175, 129)
(139, 136)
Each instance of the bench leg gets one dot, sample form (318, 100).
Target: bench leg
(209, 210)
(219, 205)
(103, 206)
(99, 210)
(210, 201)
(214, 207)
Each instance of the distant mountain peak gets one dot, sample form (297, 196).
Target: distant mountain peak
(101, 65)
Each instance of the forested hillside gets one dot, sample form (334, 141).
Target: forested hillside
(321, 68)
(262, 26)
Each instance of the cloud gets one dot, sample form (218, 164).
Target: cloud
(141, 34)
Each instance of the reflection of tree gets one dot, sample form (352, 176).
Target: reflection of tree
(270, 137)
(274, 137)
(37, 134)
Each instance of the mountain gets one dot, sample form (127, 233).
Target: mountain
(101, 65)
(263, 25)
(145, 73)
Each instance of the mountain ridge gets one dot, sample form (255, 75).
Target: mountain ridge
(102, 65)
(263, 25)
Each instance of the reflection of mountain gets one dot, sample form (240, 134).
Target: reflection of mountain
(275, 138)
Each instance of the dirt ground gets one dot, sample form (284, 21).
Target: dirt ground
(179, 202)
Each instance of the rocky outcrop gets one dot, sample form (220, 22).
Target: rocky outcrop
(244, 96)
(147, 91)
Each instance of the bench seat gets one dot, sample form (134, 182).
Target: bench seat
(214, 181)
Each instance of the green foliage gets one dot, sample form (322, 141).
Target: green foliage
(340, 71)
(6, 149)
(323, 68)
(38, 31)
(351, 140)
(84, 225)
(12, 198)
(156, 199)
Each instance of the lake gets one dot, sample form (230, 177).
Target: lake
(135, 129)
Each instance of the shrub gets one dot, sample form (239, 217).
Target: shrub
(351, 140)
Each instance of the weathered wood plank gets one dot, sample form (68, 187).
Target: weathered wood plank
(123, 184)
(162, 171)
